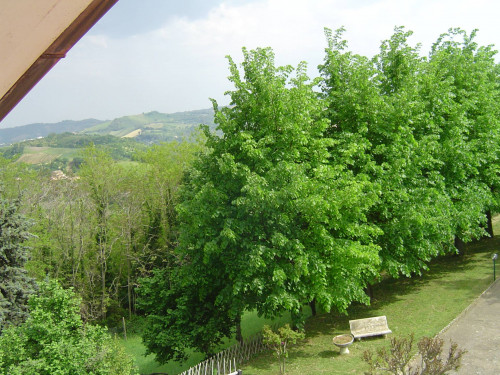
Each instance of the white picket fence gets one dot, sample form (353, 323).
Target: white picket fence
(226, 362)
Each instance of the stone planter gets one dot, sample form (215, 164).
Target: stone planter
(343, 342)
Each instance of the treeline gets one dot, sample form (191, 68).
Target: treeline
(101, 231)
(318, 187)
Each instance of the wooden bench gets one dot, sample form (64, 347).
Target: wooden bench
(369, 327)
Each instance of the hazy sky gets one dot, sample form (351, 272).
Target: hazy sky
(169, 56)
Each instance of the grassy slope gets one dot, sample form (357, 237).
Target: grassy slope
(154, 125)
(422, 305)
(39, 155)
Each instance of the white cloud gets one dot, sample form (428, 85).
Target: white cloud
(180, 65)
(98, 40)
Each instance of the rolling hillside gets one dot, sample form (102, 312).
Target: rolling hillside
(152, 127)
(33, 131)
(59, 146)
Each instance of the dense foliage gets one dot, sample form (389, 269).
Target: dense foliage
(261, 219)
(15, 284)
(307, 197)
(101, 230)
(54, 340)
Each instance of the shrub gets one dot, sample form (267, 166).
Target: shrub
(397, 360)
(54, 340)
(279, 342)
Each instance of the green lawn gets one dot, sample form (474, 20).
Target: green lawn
(147, 365)
(423, 305)
(250, 325)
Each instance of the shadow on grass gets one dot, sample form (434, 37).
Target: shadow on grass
(456, 273)
(264, 360)
(392, 290)
(329, 353)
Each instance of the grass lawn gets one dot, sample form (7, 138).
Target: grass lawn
(250, 325)
(147, 365)
(423, 305)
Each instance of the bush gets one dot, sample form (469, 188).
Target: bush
(55, 341)
(279, 342)
(397, 360)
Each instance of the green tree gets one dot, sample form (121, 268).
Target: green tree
(15, 284)
(379, 119)
(267, 220)
(101, 175)
(415, 212)
(165, 164)
(54, 340)
(280, 341)
(180, 316)
(463, 103)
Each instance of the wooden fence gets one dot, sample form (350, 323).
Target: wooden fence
(227, 361)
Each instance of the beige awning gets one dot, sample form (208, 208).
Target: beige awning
(34, 35)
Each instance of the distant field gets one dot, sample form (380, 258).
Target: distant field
(42, 155)
(97, 128)
(155, 126)
(133, 134)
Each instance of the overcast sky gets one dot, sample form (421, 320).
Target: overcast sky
(169, 56)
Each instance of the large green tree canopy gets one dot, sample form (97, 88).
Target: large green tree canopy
(311, 189)
(269, 220)
(425, 130)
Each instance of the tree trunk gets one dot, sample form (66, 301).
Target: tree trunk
(129, 294)
(369, 291)
(460, 246)
(102, 254)
(312, 304)
(489, 227)
(239, 336)
(103, 290)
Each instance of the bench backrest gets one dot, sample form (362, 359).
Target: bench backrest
(369, 325)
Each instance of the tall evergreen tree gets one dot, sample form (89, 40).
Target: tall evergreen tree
(15, 285)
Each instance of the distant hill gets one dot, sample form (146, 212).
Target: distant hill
(64, 151)
(33, 131)
(59, 146)
(155, 127)
(152, 127)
